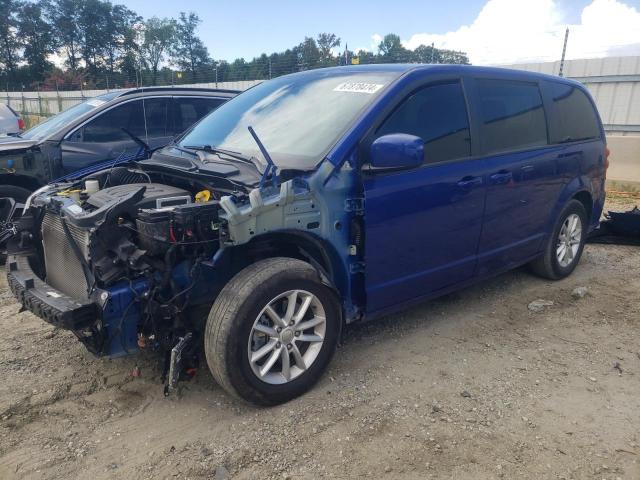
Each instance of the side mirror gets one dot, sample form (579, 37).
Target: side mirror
(397, 151)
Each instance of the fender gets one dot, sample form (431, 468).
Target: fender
(579, 184)
(319, 252)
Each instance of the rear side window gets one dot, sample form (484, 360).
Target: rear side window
(438, 115)
(108, 126)
(511, 115)
(575, 117)
(189, 110)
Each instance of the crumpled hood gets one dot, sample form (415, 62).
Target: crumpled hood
(16, 143)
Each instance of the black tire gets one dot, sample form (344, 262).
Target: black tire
(232, 317)
(548, 265)
(19, 194)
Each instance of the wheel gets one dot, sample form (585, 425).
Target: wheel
(564, 247)
(272, 331)
(19, 194)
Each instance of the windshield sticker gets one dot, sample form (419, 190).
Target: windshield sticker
(358, 87)
(95, 102)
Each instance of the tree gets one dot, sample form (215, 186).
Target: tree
(188, 51)
(159, 34)
(451, 56)
(308, 54)
(93, 25)
(391, 48)
(121, 37)
(37, 35)
(65, 16)
(9, 42)
(326, 42)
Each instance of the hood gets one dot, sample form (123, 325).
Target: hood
(16, 143)
(189, 163)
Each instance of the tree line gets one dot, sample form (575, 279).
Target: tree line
(97, 44)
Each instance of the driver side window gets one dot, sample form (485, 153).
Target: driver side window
(108, 126)
(438, 115)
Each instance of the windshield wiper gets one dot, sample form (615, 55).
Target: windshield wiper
(271, 167)
(229, 153)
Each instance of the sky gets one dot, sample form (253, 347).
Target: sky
(490, 31)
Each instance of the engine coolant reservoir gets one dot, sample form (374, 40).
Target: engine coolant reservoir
(91, 186)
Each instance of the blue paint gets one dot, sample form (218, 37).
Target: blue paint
(120, 318)
(397, 150)
(432, 228)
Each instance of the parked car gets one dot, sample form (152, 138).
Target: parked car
(92, 132)
(10, 121)
(312, 201)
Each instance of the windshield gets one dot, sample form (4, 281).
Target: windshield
(55, 123)
(297, 117)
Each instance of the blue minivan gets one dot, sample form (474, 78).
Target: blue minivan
(308, 202)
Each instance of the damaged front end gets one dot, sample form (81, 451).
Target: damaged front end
(121, 267)
(132, 258)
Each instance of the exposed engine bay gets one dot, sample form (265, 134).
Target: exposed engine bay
(126, 258)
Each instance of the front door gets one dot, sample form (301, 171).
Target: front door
(422, 226)
(103, 137)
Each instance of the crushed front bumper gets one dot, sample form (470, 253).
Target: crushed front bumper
(46, 302)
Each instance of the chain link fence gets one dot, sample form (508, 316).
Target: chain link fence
(62, 90)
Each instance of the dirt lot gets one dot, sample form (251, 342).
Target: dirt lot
(471, 386)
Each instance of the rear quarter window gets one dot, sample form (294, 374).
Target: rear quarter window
(574, 115)
(512, 116)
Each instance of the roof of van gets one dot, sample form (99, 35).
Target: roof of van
(401, 68)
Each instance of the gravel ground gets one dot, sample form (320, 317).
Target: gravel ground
(476, 385)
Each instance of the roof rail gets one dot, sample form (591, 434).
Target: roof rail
(178, 88)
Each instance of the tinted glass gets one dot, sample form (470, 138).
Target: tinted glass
(512, 116)
(108, 126)
(575, 116)
(62, 119)
(298, 117)
(157, 117)
(189, 110)
(438, 115)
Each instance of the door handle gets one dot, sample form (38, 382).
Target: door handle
(469, 182)
(501, 177)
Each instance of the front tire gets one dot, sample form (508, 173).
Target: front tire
(272, 331)
(564, 246)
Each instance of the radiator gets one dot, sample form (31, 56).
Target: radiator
(64, 270)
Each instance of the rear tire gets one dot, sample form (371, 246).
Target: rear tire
(563, 248)
(263, 351)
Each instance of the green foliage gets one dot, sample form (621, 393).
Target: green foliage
(103, 45)
(9, 40)
(158, 36)
(188, 52)
(38, 38)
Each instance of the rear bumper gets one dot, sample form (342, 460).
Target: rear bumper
(46, 302)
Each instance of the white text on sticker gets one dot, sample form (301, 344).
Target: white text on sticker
(358, 87)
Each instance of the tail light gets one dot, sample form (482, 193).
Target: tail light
(21, 124)
(607, 152)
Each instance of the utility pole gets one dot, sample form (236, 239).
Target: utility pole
(564, 51)
(432, 52)
(269, 68)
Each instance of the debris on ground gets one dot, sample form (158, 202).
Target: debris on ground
(539, 305)
(579, 292)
